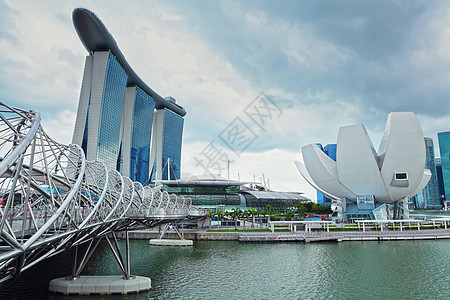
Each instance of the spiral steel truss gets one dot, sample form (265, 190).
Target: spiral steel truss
(51, 198)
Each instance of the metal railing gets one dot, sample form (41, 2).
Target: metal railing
(52, 198)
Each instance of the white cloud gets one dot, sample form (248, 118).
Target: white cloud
(320, 84)
(60, 127)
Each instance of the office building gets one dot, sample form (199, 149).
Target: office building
(444, 148)
(440, 180)
(432, 198)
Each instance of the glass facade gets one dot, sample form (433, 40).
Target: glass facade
(85, 134)
(444, 147)
(172, 138)
(440, 180)
(419, 200)
(281, 205)
(432, 197)
(208, 196)
(143, 112)
(111, 113)
(230, 196)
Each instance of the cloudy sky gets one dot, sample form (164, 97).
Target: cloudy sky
(322, 64)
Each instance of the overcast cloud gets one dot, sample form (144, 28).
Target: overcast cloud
(325, 64)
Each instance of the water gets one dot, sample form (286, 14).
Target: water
(229, 270)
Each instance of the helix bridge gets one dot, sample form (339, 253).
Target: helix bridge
(53, 199)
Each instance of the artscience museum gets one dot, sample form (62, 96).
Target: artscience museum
(369, 184)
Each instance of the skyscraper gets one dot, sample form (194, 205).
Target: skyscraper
(432, 198)
(166, 151)
(444, 147)
(116, 110)
(136, 138)
(97, 126)
(440, 179)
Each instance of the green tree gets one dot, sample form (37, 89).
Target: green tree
(253, 212)
(235, 213)
(245, 214)
(301, 209)
(220, 216)
(227, 214)
(288, 215)
(308, 206)
(269, 211)
(210, 217)
(260, 214)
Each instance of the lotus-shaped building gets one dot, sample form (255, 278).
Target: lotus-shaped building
(366, 183)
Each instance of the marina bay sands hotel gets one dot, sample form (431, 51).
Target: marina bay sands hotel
(121, 121)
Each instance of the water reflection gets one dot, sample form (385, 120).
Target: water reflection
(229, 270)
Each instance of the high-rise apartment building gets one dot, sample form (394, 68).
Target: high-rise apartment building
(118, 113)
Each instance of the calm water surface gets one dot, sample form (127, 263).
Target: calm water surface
(229, 270)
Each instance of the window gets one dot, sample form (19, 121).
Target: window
(401, 176)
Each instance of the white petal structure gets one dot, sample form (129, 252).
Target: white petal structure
(395, 172)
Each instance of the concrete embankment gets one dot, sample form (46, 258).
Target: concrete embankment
(299, 236)
(190, 235)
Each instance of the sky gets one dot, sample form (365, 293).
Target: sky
(314, 65)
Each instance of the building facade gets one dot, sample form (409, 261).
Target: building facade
(117, 111)
(219, 193)
(329, 150)
(365, 182)
(432, 197)
(440, 180)
(166, 151)
(444, 147)
(97, 126)
(136, 138)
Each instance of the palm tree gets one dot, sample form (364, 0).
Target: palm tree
(269, 211)
(253, 212)
(235, 213)
(219, 215)
(245, 214)
(227, 214)
(210, 217)
(260, 213)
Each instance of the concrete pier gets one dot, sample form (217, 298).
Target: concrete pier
(171, 242)
(100, 285)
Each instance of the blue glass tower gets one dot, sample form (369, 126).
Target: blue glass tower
(444, 147)
(432, 198)
(440, 180)
(172, 139)
(137, 127)
(117, 108)
(166, 151)
(144, 107)
(97, 127)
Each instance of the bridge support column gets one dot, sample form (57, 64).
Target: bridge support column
(87, 285)
(171, 242)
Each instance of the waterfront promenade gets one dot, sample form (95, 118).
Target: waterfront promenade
(298, 236)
